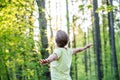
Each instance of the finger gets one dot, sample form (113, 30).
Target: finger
(41, 61)
(44, 61)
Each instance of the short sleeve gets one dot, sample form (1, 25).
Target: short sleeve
(57, 52)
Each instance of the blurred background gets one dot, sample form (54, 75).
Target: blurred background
(28, 28)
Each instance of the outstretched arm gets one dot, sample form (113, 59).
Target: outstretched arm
(81, 49)
(51, 58)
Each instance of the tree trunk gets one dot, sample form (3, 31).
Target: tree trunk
(43, 33)
(112, 41)
(67, 16)
(97, 40)
(85, 57)
(105, 44)
(74, 46)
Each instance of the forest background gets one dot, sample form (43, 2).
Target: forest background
(28, 27)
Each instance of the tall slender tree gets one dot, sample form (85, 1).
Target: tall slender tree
(97, 39)
(112, 40)
(67, 17)
(43, 33)
(105, 38)
(50, 24)
(106, 57)
(74, 46)
(85, 57)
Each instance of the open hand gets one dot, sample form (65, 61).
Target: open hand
(89, 45)
(44, 61)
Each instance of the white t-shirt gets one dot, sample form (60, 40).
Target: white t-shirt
(60, 69)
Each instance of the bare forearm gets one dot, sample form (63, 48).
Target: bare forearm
(51, 58)
(81, 49)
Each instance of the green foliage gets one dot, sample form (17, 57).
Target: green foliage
(81, 7)
(106, 8)
(89, 6)
(17, 53)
